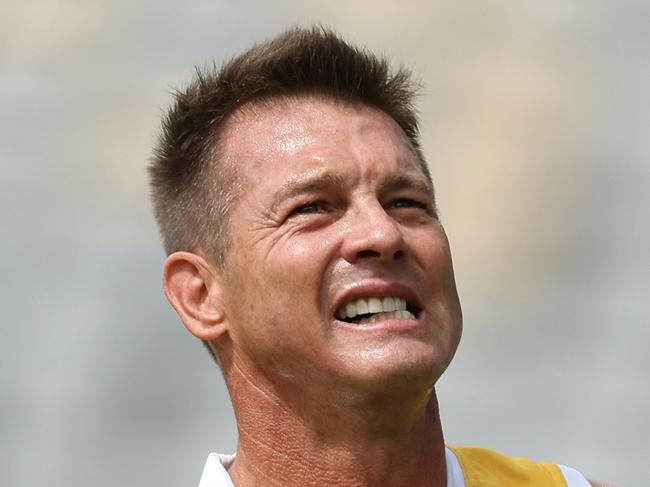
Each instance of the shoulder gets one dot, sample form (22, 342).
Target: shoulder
(481, 465)
(487, 467)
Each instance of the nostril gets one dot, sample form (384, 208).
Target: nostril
(373, 253)
(368, 253)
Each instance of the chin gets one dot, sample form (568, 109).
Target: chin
(383, 371)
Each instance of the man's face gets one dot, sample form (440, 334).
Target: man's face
(335, 229)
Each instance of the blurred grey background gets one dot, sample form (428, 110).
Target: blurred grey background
(535, 123)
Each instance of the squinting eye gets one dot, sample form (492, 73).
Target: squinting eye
(407, 203)
(314, 207)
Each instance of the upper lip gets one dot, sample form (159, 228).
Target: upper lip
(379, 289)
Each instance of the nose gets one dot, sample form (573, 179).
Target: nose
(373, 234)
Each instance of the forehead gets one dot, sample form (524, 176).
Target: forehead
(310, 130)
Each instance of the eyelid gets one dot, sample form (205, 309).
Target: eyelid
(415, 198)
(415, 203)
(317, 204)
(320, 204)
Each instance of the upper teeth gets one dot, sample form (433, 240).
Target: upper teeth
(364, 306)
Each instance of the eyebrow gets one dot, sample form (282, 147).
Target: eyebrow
(395, 182)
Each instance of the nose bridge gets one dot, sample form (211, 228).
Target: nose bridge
(372, 233)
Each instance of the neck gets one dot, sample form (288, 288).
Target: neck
(301, 438)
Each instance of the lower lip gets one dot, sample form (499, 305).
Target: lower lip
(384, 325)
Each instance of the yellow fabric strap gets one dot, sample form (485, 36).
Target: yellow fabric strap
(487, 468)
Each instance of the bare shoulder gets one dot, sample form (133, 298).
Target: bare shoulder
(598, 483)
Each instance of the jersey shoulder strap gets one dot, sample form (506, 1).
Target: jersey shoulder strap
(486, 468)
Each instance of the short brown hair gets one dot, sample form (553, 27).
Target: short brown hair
(192, 189)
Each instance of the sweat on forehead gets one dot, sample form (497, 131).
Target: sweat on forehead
(289, 124)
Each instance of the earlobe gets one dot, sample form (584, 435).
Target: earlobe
(192, 287)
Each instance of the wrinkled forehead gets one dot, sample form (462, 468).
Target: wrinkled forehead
(292, 124)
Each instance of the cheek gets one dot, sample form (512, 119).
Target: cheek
(301, 263)
(434, 256)
(273, 292)
(436, 259)
(308, 246)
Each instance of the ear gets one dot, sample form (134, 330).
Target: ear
(193, 288)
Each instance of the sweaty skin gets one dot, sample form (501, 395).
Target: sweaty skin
(334, 208)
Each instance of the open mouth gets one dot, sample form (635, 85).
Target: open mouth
(374, 309)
